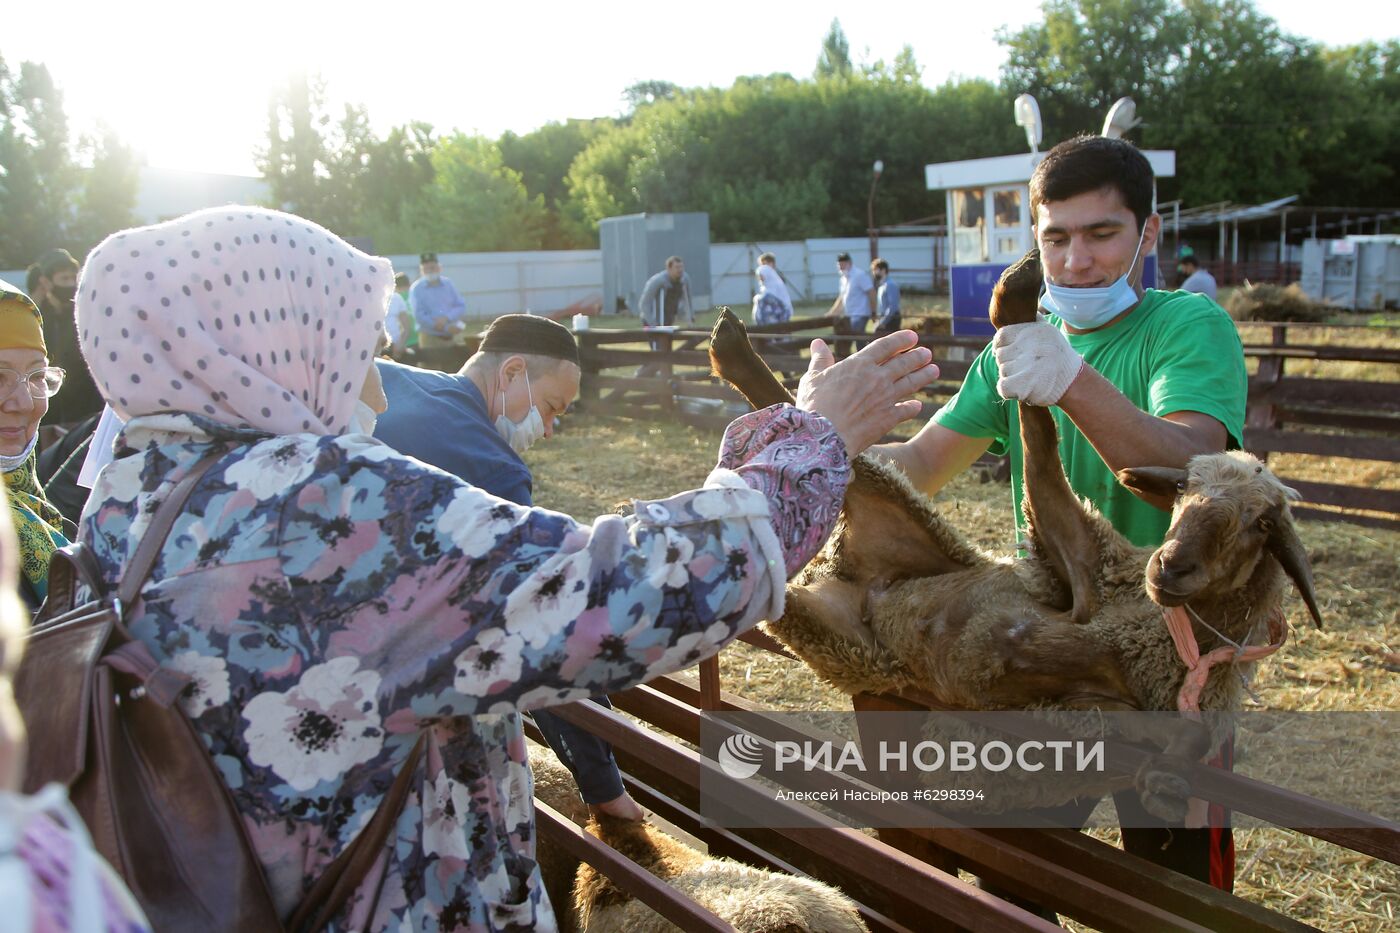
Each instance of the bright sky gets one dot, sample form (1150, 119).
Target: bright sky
(189, 87)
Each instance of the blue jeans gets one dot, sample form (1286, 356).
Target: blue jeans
(588, 758)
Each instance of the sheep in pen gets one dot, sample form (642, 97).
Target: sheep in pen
(898, 599)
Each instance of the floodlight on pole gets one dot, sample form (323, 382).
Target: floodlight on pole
(876, 169)
(1122, 117)
(1028, 117)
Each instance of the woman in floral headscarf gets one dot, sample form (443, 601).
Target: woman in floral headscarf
(27, 382)
(333, 600)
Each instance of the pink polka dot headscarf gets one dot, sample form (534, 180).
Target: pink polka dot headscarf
(245, 315)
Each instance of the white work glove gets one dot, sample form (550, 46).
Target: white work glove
(1035, 362)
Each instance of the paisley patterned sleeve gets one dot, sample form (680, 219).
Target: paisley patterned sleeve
(804, 483)
(475, 605)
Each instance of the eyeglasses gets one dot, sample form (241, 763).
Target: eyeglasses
(43, 383)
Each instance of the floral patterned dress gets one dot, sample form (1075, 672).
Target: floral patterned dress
(332, 599)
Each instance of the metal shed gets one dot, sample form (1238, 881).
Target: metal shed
(635, 247)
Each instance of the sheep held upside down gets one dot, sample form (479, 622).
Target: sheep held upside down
(898, 599)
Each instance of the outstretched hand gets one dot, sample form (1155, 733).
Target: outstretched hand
(868, 393)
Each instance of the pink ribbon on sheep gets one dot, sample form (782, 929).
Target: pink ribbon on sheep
(1188, 699)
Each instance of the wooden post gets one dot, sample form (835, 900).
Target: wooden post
(709, 684)
(1259, 413)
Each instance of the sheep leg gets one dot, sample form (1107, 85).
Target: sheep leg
(734, 360)
(1059, 529)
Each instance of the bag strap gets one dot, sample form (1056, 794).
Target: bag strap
(342, 876)
(139, 568)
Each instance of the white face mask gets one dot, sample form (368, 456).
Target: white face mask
(362, 419)
(1088, 308)
(520, 435)
(433, 277)
(14, 463)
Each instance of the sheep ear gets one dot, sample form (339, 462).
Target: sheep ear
(1152, 481)
(1288, 550)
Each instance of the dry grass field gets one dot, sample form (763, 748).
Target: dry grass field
(595, 462)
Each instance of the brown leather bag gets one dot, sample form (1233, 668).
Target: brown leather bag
(104, 721)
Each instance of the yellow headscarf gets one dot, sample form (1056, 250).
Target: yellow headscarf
(21, 325)
(38, 525)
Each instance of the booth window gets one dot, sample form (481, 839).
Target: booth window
(1006, 211)
(970, 226)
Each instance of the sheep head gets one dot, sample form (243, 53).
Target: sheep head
(1230, 511)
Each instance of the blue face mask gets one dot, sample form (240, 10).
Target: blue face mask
(1088, 308)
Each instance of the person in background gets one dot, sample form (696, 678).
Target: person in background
(58, 282)
(51, 878)
(35, 285)
(772, 304)
(887, 316)
(853, 306)
(27, 382)
(438, 308)
(666, 296)
(398, 323)
(338, 603)
(1197, 279)
(475, 424)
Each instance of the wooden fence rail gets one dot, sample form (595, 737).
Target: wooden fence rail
(665, 375)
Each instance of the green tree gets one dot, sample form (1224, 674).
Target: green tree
(297, 162)
(1354, 152)
(108, 196)
(543, 158)
(475, 203)
(398, 170)
(905, 68)
(38, 179)
(835, 58)
(773, 157)
(648, 92)
(1241, 102)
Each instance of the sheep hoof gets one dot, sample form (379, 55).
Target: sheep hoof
(1163, 790)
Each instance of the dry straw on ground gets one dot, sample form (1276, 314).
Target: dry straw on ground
(1353, 664)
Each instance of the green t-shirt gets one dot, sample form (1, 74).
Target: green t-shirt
(1176, 351)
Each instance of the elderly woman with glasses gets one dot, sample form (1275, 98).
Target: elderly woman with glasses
(27, 382)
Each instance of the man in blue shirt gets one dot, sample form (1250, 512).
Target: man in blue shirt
(853, 307)
(438, 308)
(887, 317)
(475, 423)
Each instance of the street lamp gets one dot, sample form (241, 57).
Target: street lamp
(877, 168)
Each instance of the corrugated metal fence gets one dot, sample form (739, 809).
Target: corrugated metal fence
(547, 280)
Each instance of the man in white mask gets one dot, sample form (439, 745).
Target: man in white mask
(474, 424)
(1135, 377)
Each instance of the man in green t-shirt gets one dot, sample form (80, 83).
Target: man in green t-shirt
(1135, 377)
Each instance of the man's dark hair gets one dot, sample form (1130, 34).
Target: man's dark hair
(1088, 163)
(843, 257)
(400, 279)
(1191, 261)
(881, 265)
(31, 278)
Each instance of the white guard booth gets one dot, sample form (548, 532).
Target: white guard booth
(989, 226)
